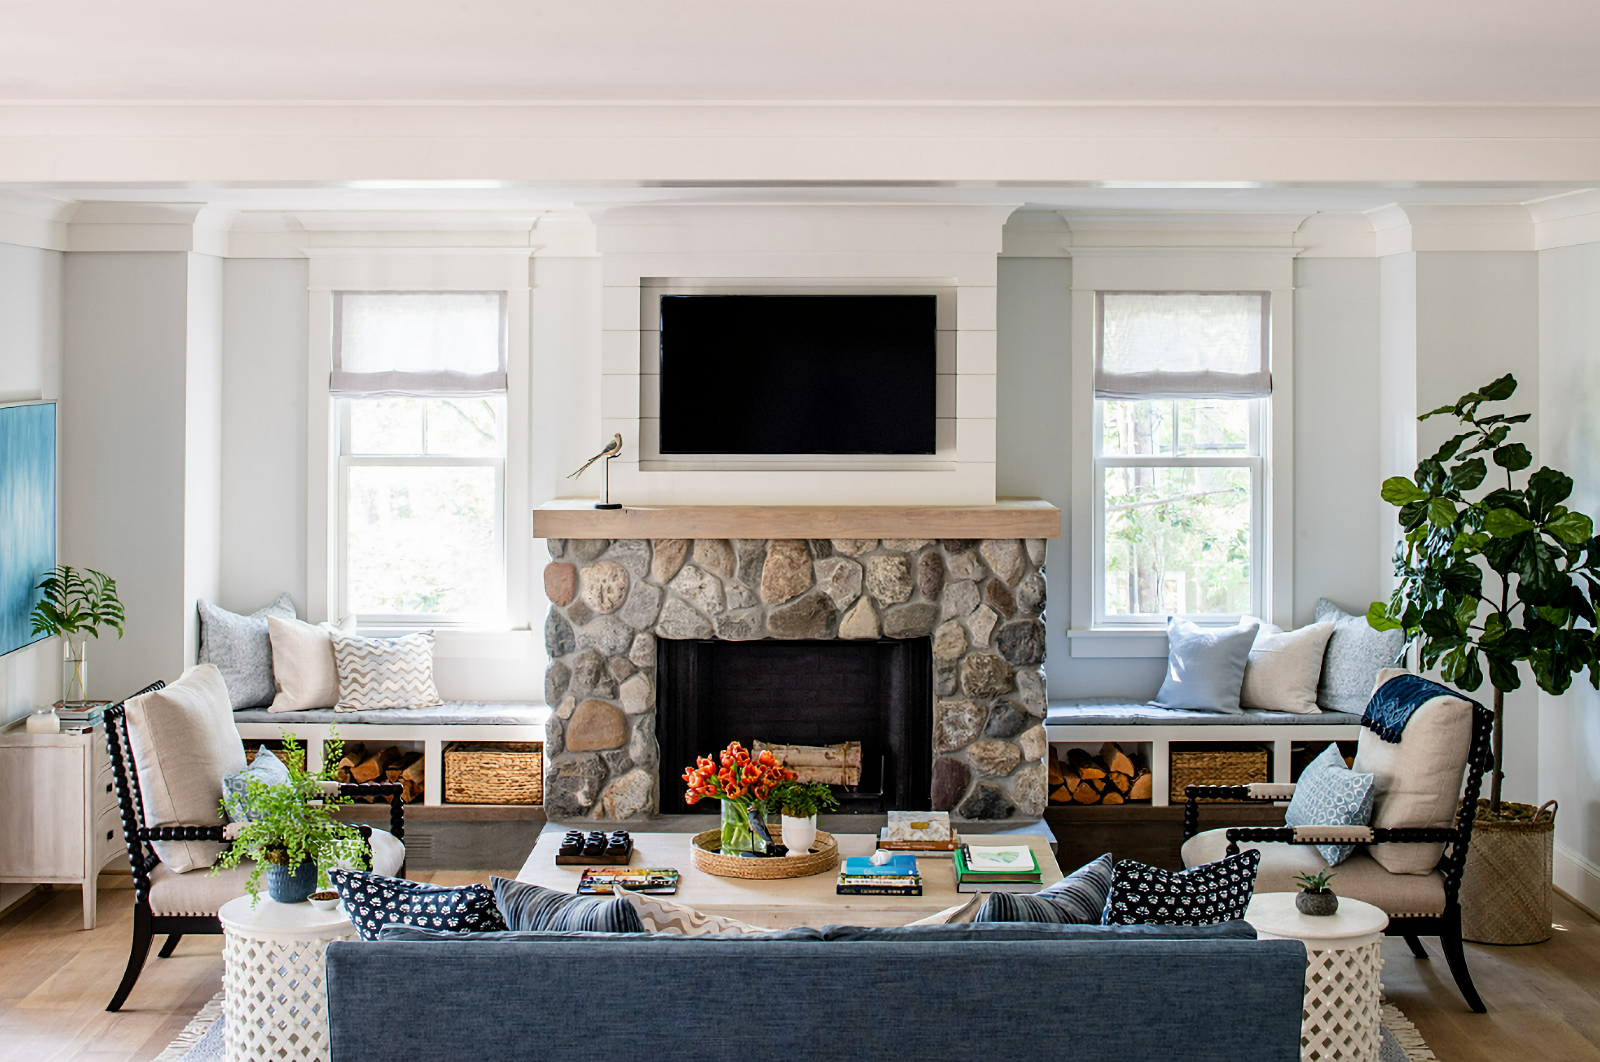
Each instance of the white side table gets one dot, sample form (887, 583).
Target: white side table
(1343, 993)
(275, 994)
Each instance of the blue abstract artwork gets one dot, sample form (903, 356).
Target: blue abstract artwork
(27, 515)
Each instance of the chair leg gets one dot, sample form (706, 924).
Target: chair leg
(1450, 940)
(169, 946)
(140, 950)
(1417, 950)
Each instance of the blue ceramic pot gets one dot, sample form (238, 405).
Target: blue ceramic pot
(291, 886)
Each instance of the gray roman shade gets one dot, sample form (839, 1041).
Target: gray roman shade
(418, 344)
(1182, 345)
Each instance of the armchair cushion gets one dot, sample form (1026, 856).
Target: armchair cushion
(1416, 782)
(184, 744)
(1360, 877)
(1331, 794)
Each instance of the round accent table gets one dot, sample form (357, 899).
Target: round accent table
(275, 998)
(1340, 1019)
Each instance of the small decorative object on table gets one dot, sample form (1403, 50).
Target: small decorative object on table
(595, 849)
(1315, 898)
(599, 881)
(744, 783)
(326, 900)
(918, 831)
(76, 603)
(798, 803)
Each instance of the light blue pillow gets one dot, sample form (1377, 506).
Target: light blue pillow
(1331, 794)
(1205, 667)
(241, 649)
(266, 769)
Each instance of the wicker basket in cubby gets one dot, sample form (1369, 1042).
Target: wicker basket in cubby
(500, 772)
(1217, 764)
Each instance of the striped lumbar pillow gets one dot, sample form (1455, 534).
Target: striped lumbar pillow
(1076, 899)
(384, 672)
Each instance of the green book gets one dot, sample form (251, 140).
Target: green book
(1012, 863)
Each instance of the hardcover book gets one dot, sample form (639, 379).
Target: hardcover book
(597, 881)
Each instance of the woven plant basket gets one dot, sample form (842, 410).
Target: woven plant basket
(507, 772)
(706, 852)
(1217, 766)
(1506, 890)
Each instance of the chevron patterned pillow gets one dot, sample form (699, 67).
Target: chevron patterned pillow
(384, 672)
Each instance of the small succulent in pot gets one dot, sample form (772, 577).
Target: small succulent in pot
(1315, 898)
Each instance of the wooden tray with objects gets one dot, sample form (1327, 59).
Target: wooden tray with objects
(611, 856)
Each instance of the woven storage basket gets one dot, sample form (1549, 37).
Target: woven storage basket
(506, 772)
(299, 759)
(1228, 765)
(705, 846)
(1506, 893)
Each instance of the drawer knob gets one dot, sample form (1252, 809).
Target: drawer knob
(108, 835)
(108, 787)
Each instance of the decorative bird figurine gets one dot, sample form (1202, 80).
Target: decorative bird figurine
(613, 448)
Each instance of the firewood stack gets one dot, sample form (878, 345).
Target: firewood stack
(1112, 777)
(387, 764)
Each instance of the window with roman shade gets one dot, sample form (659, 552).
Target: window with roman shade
(1182, 345)
(407, 344)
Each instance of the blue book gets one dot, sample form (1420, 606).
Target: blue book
(898, 866)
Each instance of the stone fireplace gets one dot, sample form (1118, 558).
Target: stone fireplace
(977, 603)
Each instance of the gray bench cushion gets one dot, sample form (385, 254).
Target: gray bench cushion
(1092, 711)
(461, 713)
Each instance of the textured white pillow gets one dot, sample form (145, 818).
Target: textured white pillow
(660, 915)
(184, 744)
(303, 668)
(384, 672)
(1416, 782)
(1284, 667)
(959, 915)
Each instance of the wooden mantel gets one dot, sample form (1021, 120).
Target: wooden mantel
(1012, 518)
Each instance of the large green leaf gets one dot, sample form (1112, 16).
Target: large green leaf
(1500, 389)
(1378, 618)
(1513, 457)
(1503, 523)
(1413, 513)
(1469, 474)
(1540, 581)
(1503, 670)
(1547, 488)
(1571, 527)
(1441, 512)
(1451, 445)
(1398, 490)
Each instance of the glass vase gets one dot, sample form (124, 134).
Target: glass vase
(743, 830)
(74, 673)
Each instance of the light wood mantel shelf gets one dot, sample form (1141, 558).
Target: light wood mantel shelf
(1012, 518)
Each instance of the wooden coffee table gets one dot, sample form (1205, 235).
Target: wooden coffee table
(786, 902)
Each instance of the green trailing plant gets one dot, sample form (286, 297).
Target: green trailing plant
(293, 822)
(77, 602)
(801, 800)
(1490, 577)
(1317, 882)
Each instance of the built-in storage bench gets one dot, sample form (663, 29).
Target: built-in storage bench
(429, 729)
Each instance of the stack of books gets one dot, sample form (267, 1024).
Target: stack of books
(898, 877)
(80, 715)
(1011, 868)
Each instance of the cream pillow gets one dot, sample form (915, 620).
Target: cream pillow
(959, 915)
(303, 668)
(184, 744)
(1416, 782)
(660, 915)
(1284, 666)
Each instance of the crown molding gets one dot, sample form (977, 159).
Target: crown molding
(1566, 220)
(122, 226)
(28, 220)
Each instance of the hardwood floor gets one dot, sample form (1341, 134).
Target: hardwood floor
(55, 979)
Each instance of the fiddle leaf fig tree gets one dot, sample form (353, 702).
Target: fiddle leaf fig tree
(1489, 578)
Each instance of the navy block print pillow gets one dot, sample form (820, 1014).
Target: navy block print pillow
(1199, 896)
(374, 901)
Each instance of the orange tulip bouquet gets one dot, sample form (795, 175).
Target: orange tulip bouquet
(743, 783)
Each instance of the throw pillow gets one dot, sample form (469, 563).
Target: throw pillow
(184, 744)
(1077, 899)
(658, 914)
(959, 915)
(384, 672)
(1205, 667)
(532, 907)
(266, 768)
(1284, 668)
(1199, 896)
(239, 646)
(1331, 794)
(1356, 653)
(1417, 780)
(303, 668)
(373, 901)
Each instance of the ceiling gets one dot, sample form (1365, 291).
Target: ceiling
(1021, 50)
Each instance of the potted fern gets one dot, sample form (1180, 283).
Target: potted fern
(289, 831)
(798, 803)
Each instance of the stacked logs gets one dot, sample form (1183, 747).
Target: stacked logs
(387, 764)
(1112, 777)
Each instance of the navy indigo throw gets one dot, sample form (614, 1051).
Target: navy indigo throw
(1391, 705)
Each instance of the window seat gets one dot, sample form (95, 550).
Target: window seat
(477, 713)
(1099, 711)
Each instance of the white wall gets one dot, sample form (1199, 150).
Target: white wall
(30, 369)
(1569, 439)
(202, 496)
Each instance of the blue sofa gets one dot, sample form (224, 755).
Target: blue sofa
(991, 992)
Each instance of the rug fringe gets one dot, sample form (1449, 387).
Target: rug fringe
(194, 1031)
(1406, 1035)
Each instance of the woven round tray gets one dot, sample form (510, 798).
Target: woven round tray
(824, 856)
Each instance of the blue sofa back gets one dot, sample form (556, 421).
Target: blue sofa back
(833, 1001)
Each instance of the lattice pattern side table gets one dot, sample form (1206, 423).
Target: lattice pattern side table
(1340, 1020)
(275, 995)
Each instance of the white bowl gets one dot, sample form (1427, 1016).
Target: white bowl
(327, 904)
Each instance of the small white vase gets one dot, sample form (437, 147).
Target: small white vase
(799, 834)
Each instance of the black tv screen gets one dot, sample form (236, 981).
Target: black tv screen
(798, 374)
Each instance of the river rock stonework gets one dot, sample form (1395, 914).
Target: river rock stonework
(982, 602)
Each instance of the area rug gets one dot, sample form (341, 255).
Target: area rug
(1401, 1041)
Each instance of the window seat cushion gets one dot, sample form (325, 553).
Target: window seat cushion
(1093, 711)
(460, 713)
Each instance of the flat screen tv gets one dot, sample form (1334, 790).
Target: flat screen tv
(798, 374)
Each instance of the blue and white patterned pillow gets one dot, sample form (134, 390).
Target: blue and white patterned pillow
(266, 769)
(373, 901)
(1200, 896)
(1331, 794)
(1077, 899)
(1356, 653)
(533, 908)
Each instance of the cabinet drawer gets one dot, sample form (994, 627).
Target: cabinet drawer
(104, 793)
(107, 835)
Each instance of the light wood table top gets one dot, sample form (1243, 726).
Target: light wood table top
(785, 902)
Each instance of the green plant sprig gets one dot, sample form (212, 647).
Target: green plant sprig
(77, 602)
(801, 800)
(1317, 882)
